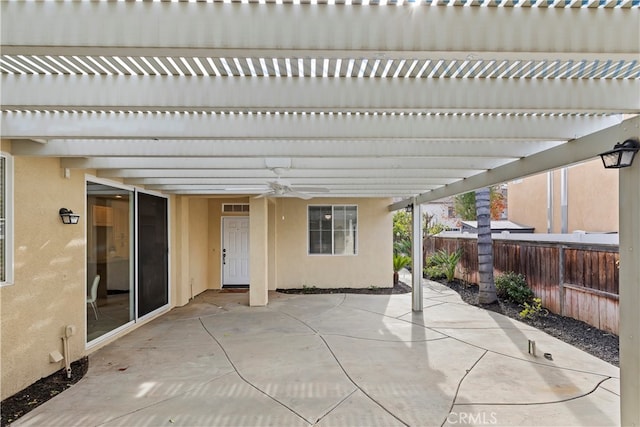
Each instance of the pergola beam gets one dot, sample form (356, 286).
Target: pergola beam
(140, 175)
(160, 93)
(331, 163)
(574, 151)
(60, 125)
(254, 29)
(282, 148)
(360, 182)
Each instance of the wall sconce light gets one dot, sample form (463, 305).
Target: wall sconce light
(622, 154)
(409, 208)
(68, 217)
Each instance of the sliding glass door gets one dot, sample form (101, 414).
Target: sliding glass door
(127, 257)
(153, 253)
(110, 296)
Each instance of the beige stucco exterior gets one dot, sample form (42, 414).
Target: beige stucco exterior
(592, 199)
(49, 267)
(372, 266)
(49, 290)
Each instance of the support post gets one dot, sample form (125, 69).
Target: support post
(564, 200)
(630, 295)
(416, 257)
(258, 252)
(561, 290)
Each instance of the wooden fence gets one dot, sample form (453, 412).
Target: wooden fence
(573, 279)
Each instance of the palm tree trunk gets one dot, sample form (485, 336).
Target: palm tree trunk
(487, 287)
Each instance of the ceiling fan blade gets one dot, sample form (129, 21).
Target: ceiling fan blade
(310, 189)
(246, 189)
(297, 194)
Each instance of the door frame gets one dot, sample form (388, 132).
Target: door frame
(222, 218)
(134, 256)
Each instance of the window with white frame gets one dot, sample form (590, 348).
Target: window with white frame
(333, 229)
(6, 225)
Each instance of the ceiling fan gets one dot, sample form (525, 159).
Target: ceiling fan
(282, 188)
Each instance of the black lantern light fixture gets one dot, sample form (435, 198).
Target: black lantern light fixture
(409, 208)
(622, 154)
(68, 217)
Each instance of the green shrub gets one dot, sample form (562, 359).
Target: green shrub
(533, 310)
(434, 272)
(513, 287)
(447, 262)
(400, 262)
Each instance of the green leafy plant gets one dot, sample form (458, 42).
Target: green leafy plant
(436, 228)
(308, 289)
(434, 272)
(513, 287)
(447, 262)
(533, 310)
(402, 247)
(400, 262)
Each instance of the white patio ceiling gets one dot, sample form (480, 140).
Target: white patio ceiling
(364, 98)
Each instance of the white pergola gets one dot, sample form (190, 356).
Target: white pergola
(416, 100)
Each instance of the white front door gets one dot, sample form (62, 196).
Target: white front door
(235, 251)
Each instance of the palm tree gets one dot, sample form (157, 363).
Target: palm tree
(487, 287)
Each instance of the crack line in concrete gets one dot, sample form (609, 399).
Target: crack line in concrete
(402, 315)
(433, 305)
(437, 330)
(546, 365)
(383, 340)
(551, 402)
(455, 396)
(151, 405)
(357, 385)
(335, 406)
(610, 391)
(344, 297)
(346, 373)
(244, 379)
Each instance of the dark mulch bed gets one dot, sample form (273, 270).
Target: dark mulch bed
(39, 392)
(400, 288)
(601, 344)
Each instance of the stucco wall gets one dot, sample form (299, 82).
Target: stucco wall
(198, 245)
(49, 288)
(372, 266)
(179, 232)
(527, 201)
(592, 199)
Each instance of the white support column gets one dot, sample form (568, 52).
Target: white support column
(258, 252)
(564, 200)
(416, 255)
(630, 295)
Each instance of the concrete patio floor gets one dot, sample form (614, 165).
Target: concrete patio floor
(336, 360)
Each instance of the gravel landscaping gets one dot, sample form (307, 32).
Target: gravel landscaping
(601, 344)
